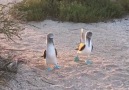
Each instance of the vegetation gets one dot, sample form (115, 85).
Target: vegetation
(8, 26)
(90, 11)
(73, 10)
(7, 71)
(125, 4)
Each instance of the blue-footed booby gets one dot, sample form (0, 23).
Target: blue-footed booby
(50, 54)
(85, 46)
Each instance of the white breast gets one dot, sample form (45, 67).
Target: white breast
(88, 48)
(51, 55)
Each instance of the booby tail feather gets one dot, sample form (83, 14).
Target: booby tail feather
(82, 38)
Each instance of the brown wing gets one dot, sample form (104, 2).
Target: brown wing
(81, 46)
(44, 55)
(56, 51)
(92, 48)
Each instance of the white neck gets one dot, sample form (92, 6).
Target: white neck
(85, 39)
(88, 44)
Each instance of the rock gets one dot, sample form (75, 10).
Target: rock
(3, 63)
(8, 65)
(13, 66)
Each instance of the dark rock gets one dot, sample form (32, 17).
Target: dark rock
(13, 66)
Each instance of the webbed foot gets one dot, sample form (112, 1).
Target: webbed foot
(57, 67)
(88, 62)
(49, 69)
(76, 59)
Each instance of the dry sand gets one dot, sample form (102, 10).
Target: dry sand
(110, 68)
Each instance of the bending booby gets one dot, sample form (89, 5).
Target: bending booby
(50, 54)
(82, 41)
(86, 47)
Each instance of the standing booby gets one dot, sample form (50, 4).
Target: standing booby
(50, 54)
(86, 47)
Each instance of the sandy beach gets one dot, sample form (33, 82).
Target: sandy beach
(110, 68)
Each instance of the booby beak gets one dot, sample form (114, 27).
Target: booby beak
(50, 37)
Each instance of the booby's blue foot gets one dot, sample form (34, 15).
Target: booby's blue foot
(57, 67)
(49, 69)
(88, 62)
(76, 59)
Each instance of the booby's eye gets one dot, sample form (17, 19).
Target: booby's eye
(50, 35)
(89, 34)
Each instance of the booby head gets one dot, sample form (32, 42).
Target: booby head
(50, 37)
(88, 35)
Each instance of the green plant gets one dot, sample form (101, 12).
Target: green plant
(72, 10)
(36, 10)
(125, 4)
(8, 25)
(90, 11)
